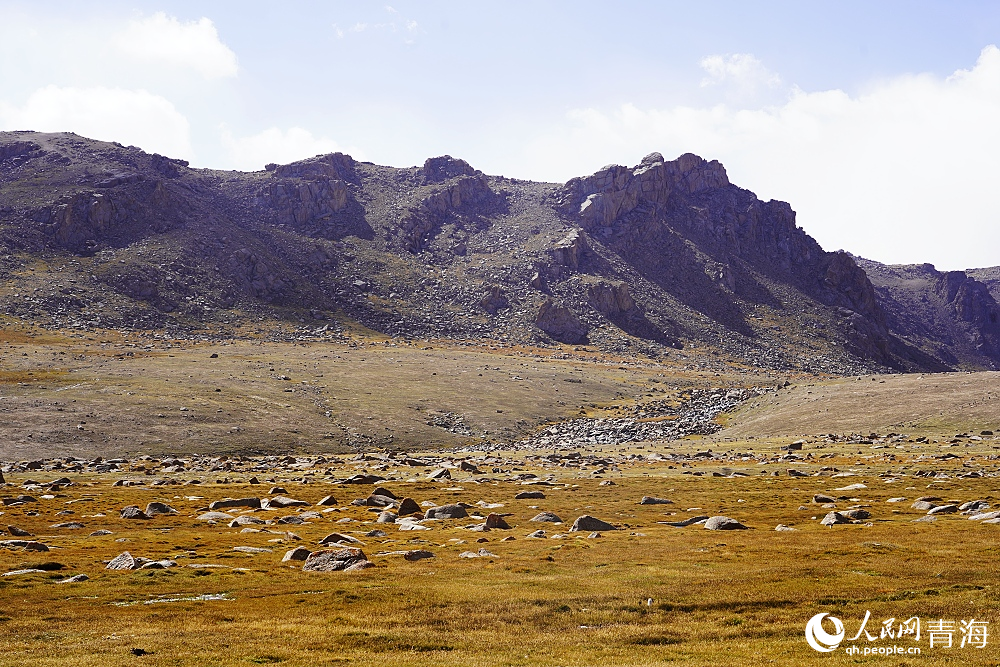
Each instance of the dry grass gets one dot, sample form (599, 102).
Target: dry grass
(721, 598)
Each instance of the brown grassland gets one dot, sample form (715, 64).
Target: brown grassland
(645, 594)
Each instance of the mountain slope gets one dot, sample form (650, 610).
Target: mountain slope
(664, 259)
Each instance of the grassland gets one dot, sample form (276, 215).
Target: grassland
(642, 595)
(645, 594)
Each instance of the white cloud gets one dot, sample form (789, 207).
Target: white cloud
(743, 69)
(905, 172)
(130, 117)
(276, 145)
(194, 44)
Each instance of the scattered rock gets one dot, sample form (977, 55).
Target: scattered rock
(123, 561)
(133, 512)
(547, 517)
(588, 523)
(298, 553)
(229, 503)
(723, 523)
(417, 554)
(408, 506)
(334, 560)
(530, 495)
(281, 502)
(446, 512)
(649, 500)
(155, 508)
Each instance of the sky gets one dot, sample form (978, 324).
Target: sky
(879, 122)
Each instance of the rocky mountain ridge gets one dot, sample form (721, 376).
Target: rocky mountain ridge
(659, 259)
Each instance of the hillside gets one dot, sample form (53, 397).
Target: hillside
(666, 260)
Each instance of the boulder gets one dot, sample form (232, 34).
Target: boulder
(834, 518)
(858, 514)
(588, 523)
(943, 509)
(821, 499)
(133, 512)
(375, 500)
(228, 503)
(649, 500)
(327, 501)
(546, 517)
(246, 521)
(530, 495)
(408, 506)
(560, 323)
(298, 553)
(446, 512)
(417, 554)
(333, 560)
(282, 502)
(723, 523)
(215, 516)
(123, 561)
(496, 521)
(154, 508)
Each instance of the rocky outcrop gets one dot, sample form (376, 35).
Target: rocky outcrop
(560, 323)
(494, 300)
(334, 166)
(467, 195)
(569, 250)
(615, 191)
(610, 298)
(301, 203)
(445, 167)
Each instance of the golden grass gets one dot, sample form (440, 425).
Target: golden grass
(720, 598)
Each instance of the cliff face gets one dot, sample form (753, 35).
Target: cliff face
(649, 259)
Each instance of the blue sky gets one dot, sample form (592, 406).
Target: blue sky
(876, 121)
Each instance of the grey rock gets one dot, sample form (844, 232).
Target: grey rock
(943, 509)
(229, 503)
(408, 506)
(446, 512)
(154, 508)
(133, 512)
(333, 560)
(588, 523)
(123, 561)
(417, 554)
(298, 553)
(834, 518)
(547, 517)
(282, 502)
(723, 523)
(649, 500)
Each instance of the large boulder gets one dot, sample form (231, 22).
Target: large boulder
(334, 560)
(560, 323)
(588, 523)
(227, 503)
(723, 523)
(446, 512)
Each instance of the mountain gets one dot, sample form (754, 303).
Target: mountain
(667, 258)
